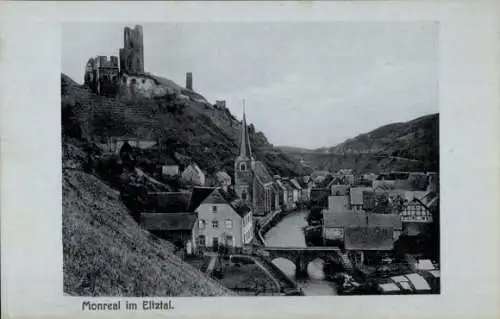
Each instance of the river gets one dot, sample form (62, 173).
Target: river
(288, 233)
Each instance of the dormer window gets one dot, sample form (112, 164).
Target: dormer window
(243, 167)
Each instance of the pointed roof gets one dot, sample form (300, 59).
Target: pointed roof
(198, 196)
(245, 148)
(262, 173)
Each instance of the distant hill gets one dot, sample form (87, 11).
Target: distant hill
(190, 126)
(412, 146)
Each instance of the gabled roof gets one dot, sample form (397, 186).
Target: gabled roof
(277, 187)
(289, 186)
(368, 238)
(167, 202)
(219, 196)
(302, 183)
(261, 172)
(241, 208)
(357, 194)
(198, 196)
(360, 219)
(295, 183)
(229, 195)
(416, 202)
(337, 204)
(222, 175)
(176, 221)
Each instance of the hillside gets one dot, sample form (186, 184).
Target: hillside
(106, 253)
(412, 145)
(189, 126)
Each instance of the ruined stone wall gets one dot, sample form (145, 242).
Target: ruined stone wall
(132, 53)
(102, 75)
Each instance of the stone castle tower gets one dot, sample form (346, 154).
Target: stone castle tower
(243, 167)
(189, 81)
(132, 53)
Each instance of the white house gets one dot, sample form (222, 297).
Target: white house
(193, 175)
(222, 219)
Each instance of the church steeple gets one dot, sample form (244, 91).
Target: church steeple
(245, 148)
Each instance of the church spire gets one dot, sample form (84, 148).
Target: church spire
(245, 149)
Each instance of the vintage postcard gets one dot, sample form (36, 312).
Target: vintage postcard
(244, 160)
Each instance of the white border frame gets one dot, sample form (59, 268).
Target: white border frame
(469, 133)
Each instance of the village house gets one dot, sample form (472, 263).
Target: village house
(339, 190)
(297, 190)
(415, 216)
(252, 181)
(356, 197)
(338, 203)
(193, 176)
(277, 198)
(370, 176)
(293, 190)
(223, 220)
(170, 171)
(305, 195)
(167, 215)
(291, 193)
(223, 180)
(362, 232)
(283, 193)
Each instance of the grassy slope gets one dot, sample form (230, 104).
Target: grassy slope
(205, 133)
(107, 254)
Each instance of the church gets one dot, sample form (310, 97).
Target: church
(252, 182)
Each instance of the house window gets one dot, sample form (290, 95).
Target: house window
(214, 209)
(244, 195)
(229, 224)
(243, 167)
(201, 240)
(201, 224)
(215, 224)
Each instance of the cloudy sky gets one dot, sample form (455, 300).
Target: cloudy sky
(305, 84)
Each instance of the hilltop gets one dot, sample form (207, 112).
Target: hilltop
(183, 120)
(412, 146)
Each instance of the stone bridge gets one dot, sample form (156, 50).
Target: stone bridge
(302, 256)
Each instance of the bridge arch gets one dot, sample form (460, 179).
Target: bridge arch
(286, 265)
(303, 259)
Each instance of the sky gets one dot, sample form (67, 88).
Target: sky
(305, 84)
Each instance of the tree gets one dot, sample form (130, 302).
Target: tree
(69, 122)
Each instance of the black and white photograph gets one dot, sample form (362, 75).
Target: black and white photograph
(250, 159)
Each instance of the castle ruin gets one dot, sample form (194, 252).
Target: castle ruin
(189, 81)
(132, 53)
(101, 75)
